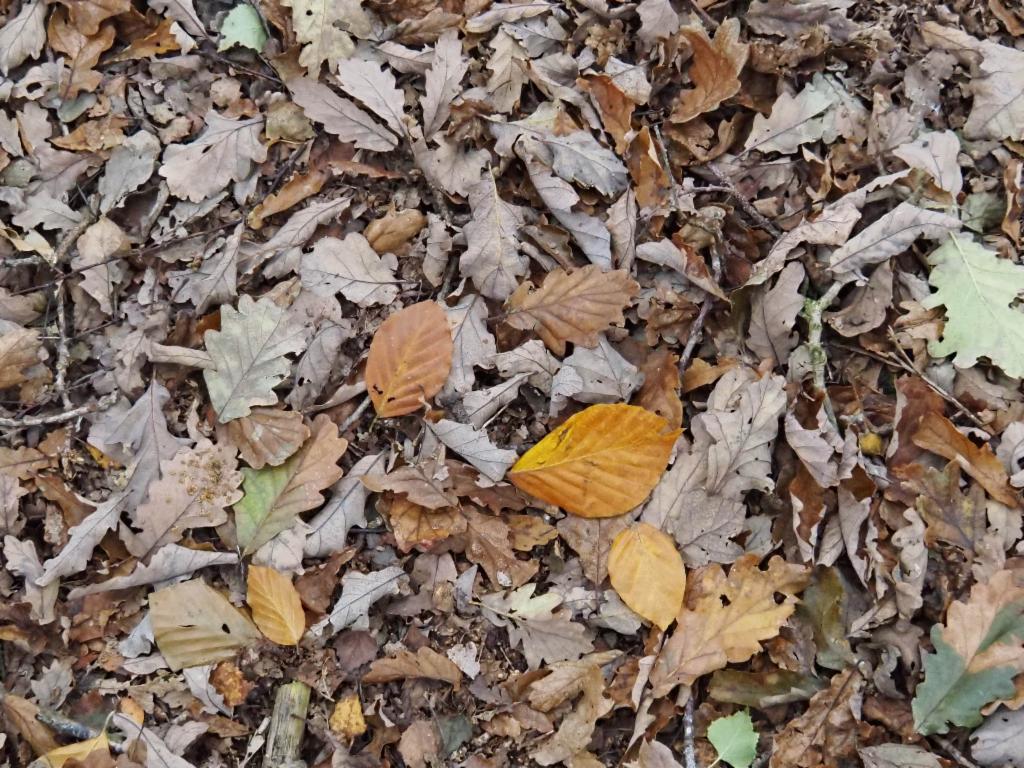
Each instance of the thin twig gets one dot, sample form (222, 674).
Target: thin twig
(698, 323)
(710, 22)
(727, 186)
(67, 242)
(689, 750)
(355, 415)
(955, 753)
(813, 310)
(59, 418)
(663, 154)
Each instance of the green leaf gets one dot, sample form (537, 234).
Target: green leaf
(952, 694)
(978, 289)
(243, 26)
(735, 739)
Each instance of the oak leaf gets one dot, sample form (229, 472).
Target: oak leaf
(359, 591)
(939, 435)
(572, 306)
(24, 35)
(601, 462)
(339, 116)
(661, 384)
(19, 351)
(417, 526)
(275, 604)
(474, 446)
(323, 27)
(714, 70)
(83, 51)
(646, 570)
(410, 357)
(727, 619)
(194, 624)
(274, 496)
(352, 268)
(546, 634)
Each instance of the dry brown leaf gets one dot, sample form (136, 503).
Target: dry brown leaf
(87, 15)
(426, 662)
(827, 733)
(83, 52)
(701, 373)
(19, 350)
(601, 462)
(267, 436)
(79, 751)
(230, 683)
(660, 391)
(194, 624)
(276, 607)
(417, 526)
(425, 483)
(292, 192)
(392, 231)
(616, 107)
(714, 70)
(939, 435)
(725, 618)
(647, 571)
(410, 356)
(21, 715)
(592, 539)
(572, 306)
(529, 531)
(488, 543)
(651, 181)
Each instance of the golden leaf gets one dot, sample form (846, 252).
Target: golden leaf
(647, 571)
(601, 462)
(55, 758)
(712, 631)
(410, 356)
(572, 306)
(276, 606)
(347, 718)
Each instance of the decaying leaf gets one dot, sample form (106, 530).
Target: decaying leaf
(267, 436)
(714, 71)
(601, 462)
(426, 663)
(546, 634)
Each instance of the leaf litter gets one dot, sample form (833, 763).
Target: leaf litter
(493, 384)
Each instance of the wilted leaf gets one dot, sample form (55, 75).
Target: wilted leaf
(442, 81)
(267, 436)
(728, 619)
(19, 351)
(275, 604)
(599, 375)
(601, 462)
(826, 734)
(773, 314)
(426, 663)
(646, 570)
(794, 120)
(410, 357)
(475, 447)
(194, 624)
(274, 496)
(661, 383)
(572, 306)
(714, 70)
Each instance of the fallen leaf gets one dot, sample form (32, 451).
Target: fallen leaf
(425, 663)
(546, 634)
(79, 751)
(194, 624)
(360, 591)
(339, 116)
(735, 739)
(646, 570)
(601, 462)
(276, 607)
(323, 27)
(714, 70)
(572, 306)
(475, 447)
(267, 436)
(392, 231)
(492, 259)
(347, 718)
(410, 357)
(352, 268)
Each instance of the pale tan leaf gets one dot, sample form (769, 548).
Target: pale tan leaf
(352, 268)
(375, 87)
(601, 462)
(194, 624)
(323, 26)
(572, 306)
(427, 483)
(78, 751)
(267, 436)
(19, 351)
(492, 259)
(646, 570)
(410, 357)
(340, 117)
(170, 562)
(475, 447)
(276, 607)
(442, 82)
(226, 151)
(773, 314)
(23, 36)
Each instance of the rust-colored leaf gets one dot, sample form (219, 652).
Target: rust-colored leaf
(714, 69)
(410, 356)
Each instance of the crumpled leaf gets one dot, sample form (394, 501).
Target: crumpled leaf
(599, 375)
(978, 290)
(647, 572)
(274, 496)
(710, 634)
(410, 357)
(225, 150)
(935, 153)
(276, 607)
(375, 87)
(194, 624)
(977, 654)
(248, 353)
(601, 462)
(572, 306)
(826, 734)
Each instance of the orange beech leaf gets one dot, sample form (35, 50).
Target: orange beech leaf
(647, 571)
(276, 607)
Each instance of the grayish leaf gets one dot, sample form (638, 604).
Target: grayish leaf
(473, 343)
(359, 591)
(340, 117)
(999, 741)
(346, 507)
(475, 447)
(170, 562)
(129, 167)
(531, 358)
(23, 36)
(597, 375)
(215, 281)
(352, 268)
(492, 258)
(375, 87)
(773, 314)
(443, 81)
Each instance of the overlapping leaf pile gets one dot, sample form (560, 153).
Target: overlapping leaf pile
(543, 383)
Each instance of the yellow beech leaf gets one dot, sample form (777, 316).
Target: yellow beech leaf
(276, 607)
(347, 719)
(80, 750)
(601, 462)
(647, 571)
